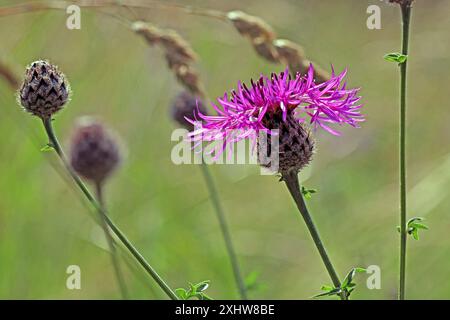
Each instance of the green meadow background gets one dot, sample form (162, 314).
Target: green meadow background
(165, 209)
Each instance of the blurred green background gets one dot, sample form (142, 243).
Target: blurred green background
(165, 209)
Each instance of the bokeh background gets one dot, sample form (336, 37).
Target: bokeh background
(165, 209)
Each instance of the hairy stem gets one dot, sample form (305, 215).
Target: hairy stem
(111, 244)
(291, 180)
(127, 243)
(225, 230)
(406, 14)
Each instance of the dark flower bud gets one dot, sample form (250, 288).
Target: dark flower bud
(185, 106)
(296, 147)
(94, 151)
(44, 90)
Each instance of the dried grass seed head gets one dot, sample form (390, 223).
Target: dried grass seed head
(179, 54)
(253, 27)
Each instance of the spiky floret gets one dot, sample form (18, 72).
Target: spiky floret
(44, 90)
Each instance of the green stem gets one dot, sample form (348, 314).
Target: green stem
(111, 244)
(225, 230)
(406, 14)
(291, 180)
(55, 144)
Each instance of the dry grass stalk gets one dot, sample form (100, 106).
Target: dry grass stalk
(179, 55)
(10, 77)
(261, 34)
(264, 41)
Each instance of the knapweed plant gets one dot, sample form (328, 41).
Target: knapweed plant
(182, 107)
(279, 114)
(45, 91)
(283, 105)
(411, 226)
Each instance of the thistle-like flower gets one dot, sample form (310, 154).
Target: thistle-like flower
(44, 90)
(183, 106)
(94, 151)
(281, 103)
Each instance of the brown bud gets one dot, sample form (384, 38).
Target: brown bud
(296, 147)
(183, 106)
(94, 152)
(44, 91)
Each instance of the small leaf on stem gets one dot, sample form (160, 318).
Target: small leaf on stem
(395, 57)
(194, 291)
(307, 193)
(48, 147)
(413, 226)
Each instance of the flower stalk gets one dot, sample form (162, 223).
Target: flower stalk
(183, 106)
(110, 241)
(225, 230)
(292, 183)
(406, 17)
(53, 141)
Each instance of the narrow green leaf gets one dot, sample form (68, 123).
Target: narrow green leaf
(348, 278)
(202, 286)
(192, 289)
(251, 280)
(326, 288)
(417, 225)
(333, 292)
(414, 220)
(181, 293)
(48, 147)
(205, 297)
(395, 57)
(307, 193)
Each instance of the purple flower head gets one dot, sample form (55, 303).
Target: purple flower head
(242, 113)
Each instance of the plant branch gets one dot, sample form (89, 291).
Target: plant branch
(110, 241)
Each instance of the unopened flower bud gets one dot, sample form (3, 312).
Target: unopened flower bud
(44, 90)
(295, 148)
(185, 105)
(94, 151)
